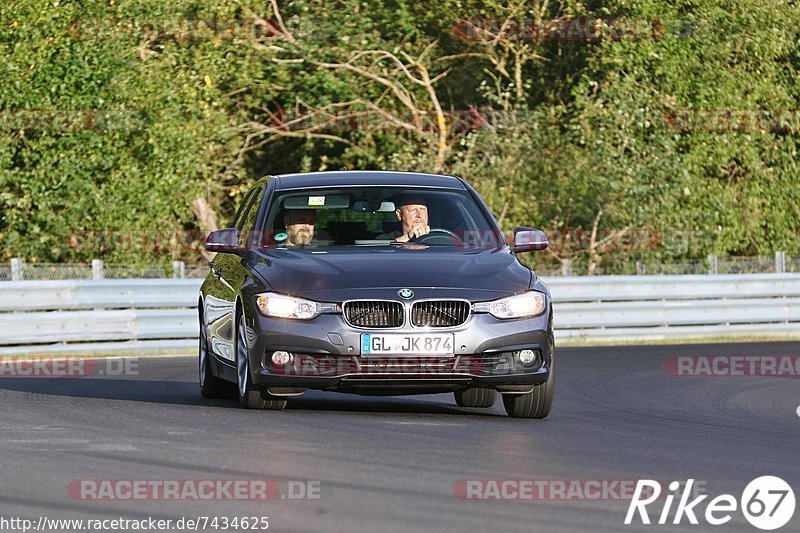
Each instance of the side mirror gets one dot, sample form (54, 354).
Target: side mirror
(529, 240)
(223, 240)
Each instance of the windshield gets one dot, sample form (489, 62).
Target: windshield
(376, 216)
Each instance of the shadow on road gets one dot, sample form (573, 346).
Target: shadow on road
(187, 393)
(168, 392)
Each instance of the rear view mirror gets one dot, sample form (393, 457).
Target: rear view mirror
(364, 206)
(529, 240)
(223, 240)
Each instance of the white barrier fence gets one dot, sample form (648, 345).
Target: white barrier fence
(130, 315)
(637, 308)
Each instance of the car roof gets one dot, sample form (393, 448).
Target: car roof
(365, 177)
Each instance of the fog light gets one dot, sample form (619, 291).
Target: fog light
(526, 357)
(281, 358)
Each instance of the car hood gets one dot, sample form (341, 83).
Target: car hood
(378, 272)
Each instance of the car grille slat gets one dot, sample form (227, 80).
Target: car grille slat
(374, 314)
(440, 313)
(411, 365)
(337, 365)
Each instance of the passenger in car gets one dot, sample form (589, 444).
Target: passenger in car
(299, 225)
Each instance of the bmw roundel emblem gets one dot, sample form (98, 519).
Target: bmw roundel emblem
(406, 294)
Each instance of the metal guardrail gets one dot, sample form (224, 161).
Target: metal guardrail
(91, 294)
(158, 314)
(653, 308)
(681, 287)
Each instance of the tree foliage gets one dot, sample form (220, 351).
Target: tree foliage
(609, 135)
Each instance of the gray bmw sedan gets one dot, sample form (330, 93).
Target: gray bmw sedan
(376, 283)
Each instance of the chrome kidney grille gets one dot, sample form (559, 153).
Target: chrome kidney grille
(440, 313)
(388, 314)
(374, 314)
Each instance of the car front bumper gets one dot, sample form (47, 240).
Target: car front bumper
(326, 355)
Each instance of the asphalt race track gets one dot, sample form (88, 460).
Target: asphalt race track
(391, 463)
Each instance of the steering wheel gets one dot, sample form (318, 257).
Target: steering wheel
(439, 236)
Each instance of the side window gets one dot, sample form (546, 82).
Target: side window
(237, 220)
(247, 220)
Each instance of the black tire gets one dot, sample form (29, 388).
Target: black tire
(210, 385)
(535, 404)
(476, 397)
(249, 395)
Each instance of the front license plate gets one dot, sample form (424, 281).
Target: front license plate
(407, 344)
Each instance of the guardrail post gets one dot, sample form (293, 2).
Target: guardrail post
(17, 273)
(178, 269)
(713, 264)
(641, 270)
(97, 269)
(566, 267)
(780, 262)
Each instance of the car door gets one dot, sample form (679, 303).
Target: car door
(226, 276)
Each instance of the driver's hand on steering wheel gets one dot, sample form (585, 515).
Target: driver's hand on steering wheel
(416, 231)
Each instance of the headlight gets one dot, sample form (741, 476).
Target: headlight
(282, 306)
(521, 305)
